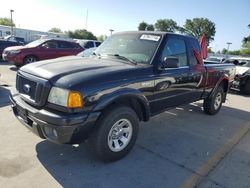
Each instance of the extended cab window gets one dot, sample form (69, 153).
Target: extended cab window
(177, 48)
(194, 46)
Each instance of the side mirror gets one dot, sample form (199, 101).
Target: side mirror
(170, 62)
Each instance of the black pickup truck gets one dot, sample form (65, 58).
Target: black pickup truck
(129, 78)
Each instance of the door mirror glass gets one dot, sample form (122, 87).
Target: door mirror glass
(170, 62)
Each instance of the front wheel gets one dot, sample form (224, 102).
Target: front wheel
(213, 104)
(116, 133)
(30, 59)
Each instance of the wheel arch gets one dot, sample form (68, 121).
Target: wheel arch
(30, 55)
(224, 82)
(128, 97)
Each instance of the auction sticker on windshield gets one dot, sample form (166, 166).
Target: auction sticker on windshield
(150, 37)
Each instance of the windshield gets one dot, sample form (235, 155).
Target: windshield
(35, 43)
(136, 47)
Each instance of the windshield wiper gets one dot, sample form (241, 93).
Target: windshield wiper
(123, 58)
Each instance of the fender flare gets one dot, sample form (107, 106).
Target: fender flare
(222, 79)
(110, 98)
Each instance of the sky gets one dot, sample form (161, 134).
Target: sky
(231, 17)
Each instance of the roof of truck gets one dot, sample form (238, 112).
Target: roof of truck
(155, 33)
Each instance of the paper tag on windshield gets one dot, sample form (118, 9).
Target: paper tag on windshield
(150, 37)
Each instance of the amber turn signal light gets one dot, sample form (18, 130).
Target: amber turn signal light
(75, 100)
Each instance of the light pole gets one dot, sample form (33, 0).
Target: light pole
(111, 31)
(228, 44)
(11, 21)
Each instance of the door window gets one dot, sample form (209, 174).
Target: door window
(177, 48)
(50, 44)
(65, 45)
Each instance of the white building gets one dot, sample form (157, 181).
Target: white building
(27, 34)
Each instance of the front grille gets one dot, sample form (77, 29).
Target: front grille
(33, 90)
(27, 87)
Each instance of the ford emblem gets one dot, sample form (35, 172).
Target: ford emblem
(26, 88)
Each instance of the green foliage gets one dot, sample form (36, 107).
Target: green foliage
(55, 30)
(209, 50)
(235, 52)
(101, 38)
(142, 26)
(150, 27)
(224, 51)
(6, 22)
(245, 50)
(81, 34)
(198, 26)
(168, 25)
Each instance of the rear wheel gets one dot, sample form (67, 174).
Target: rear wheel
(116, 133)
(213, 104)
(30, 59)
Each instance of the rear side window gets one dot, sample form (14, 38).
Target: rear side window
(176, 47)
(64, 45)
(194, 46)
(89, 44)
(97, 44)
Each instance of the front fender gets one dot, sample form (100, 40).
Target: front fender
(128, 93)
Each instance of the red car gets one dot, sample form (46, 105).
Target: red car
(40, 50)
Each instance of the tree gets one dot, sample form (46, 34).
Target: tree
(198, 26)
(245, 48)
(81, 34)
(168, 25)
(55, 30)
(101, 38)
(142, 26)
(209, 50)
(150, 27)
(224, 51)
(6, 22)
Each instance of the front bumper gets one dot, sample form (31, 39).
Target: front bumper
(54, 126)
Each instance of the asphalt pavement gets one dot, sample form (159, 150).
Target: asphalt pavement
(182, 147)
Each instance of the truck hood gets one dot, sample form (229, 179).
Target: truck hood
(241, 70)
(75, 69)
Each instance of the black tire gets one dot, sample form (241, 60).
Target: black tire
(213, 104)
(30, 59)
(246, 88)
(17, 65)
(101, 140)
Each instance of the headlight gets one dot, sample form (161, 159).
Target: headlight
(64, 97)
(14, 52)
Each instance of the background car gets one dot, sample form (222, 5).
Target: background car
(87, 53)
(4, 44)
(15, 39)
(213, 59)
(40, 50)
(88, 43)
(242, 78)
